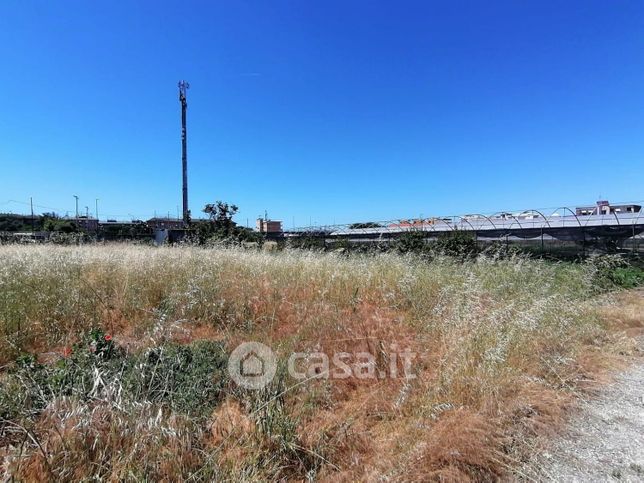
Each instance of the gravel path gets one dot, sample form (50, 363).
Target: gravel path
(605, 441)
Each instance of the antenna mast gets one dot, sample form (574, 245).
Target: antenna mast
(183, 86)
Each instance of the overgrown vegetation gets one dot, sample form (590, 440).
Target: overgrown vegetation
(457, 243)
(615, 271)
(10, 222)
(114, 360)
(188, 378)
(45, 222)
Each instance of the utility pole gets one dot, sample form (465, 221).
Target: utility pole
(76, 205)
(31, 202)
(183, 86)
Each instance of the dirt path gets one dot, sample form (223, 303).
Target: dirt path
(605, 441)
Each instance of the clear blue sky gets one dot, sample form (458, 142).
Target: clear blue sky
(323, 110)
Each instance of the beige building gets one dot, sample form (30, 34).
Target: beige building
(603, 207)
(268, 226)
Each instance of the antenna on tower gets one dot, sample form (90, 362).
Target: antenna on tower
(183, 87)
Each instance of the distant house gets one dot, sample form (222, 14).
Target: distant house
(603, 207)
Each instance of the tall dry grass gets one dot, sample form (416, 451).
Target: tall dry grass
(502, 347)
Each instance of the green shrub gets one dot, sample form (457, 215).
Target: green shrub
(614, 271)
(628, 277)
(189, 379)
(414, 241)
(308, 242)
(456, 243)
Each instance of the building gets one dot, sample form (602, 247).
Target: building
(165, 223)
(268, 226)
(603, 207)
(87, 223)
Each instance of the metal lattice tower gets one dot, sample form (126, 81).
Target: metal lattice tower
(183, 87)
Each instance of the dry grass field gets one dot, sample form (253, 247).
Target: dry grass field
(114, 362)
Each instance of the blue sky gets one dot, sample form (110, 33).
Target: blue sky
(323, 111)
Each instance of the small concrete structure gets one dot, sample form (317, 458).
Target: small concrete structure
(169, 235)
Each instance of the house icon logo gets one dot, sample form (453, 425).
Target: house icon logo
(252, 365)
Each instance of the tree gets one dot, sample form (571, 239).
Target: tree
(220, 224)
(221, 214)
(60, 225)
